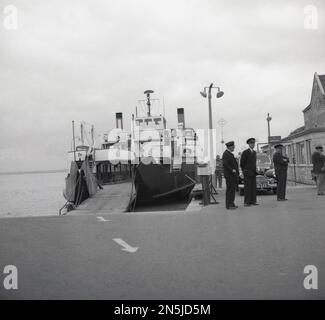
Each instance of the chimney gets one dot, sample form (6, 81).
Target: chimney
(119, 120)
(180, 116)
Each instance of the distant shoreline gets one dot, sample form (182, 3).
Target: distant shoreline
(31, 172)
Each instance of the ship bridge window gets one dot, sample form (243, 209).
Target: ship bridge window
(157, 121)
(139, 122)
(148, 121)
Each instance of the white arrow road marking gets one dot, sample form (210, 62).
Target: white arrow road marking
(126, 247)
(101, 219)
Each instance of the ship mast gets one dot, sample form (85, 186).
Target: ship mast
(147, 93)
(82, 133)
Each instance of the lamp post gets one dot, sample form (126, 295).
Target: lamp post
(204, 94)
(222, 122)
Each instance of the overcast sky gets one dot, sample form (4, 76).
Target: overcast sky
(85, 60)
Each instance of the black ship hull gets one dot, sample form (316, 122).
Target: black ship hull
(157, 181)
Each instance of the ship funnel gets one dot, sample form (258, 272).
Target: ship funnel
(119, 120)
(180, 116)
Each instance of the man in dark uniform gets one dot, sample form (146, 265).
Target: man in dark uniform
(230, 171)
(318, 160)
(219, 171)
(281, 167)
(248, 166)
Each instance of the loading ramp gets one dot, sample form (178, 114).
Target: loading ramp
(113, 198)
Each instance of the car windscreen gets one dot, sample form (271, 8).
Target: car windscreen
(262, 159)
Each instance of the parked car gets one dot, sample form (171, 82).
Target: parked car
(265, 180)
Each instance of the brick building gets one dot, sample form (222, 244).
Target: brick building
(300, 144)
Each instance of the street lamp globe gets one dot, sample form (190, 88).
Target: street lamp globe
(203, 93)
(220, 93)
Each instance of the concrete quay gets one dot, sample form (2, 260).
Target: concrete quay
(213, 253)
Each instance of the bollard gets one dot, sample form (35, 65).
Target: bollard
(206, 190)
(203, 172)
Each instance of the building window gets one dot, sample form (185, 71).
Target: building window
(289, 151)
(300, 147)
(308, 151)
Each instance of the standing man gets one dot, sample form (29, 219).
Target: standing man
(219, 171)
(230, 168)
(248, 166)
(281, 167)
(318, 160)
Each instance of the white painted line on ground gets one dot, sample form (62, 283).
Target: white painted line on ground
(126, 247)
(102, 219)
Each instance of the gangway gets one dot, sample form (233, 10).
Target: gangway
(113, 198)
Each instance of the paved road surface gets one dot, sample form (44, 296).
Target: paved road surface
(251, 253)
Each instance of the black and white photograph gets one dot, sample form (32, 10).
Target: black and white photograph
(167, 151)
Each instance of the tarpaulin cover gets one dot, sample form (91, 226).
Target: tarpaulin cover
(71, 182)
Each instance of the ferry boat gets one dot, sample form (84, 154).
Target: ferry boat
(165, 158)
(159, 162)
(91, 166)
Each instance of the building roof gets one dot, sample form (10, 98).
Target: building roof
(307, 108)
(322, 80)
(298, 130)
(299, 133)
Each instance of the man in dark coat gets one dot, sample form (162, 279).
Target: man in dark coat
(281, 167)
(230, 169)
(318, 160)
(248, 166)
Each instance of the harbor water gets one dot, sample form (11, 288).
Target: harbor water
(40, 194)
(31, 194)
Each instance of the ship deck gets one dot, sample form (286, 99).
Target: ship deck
(113, 198)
